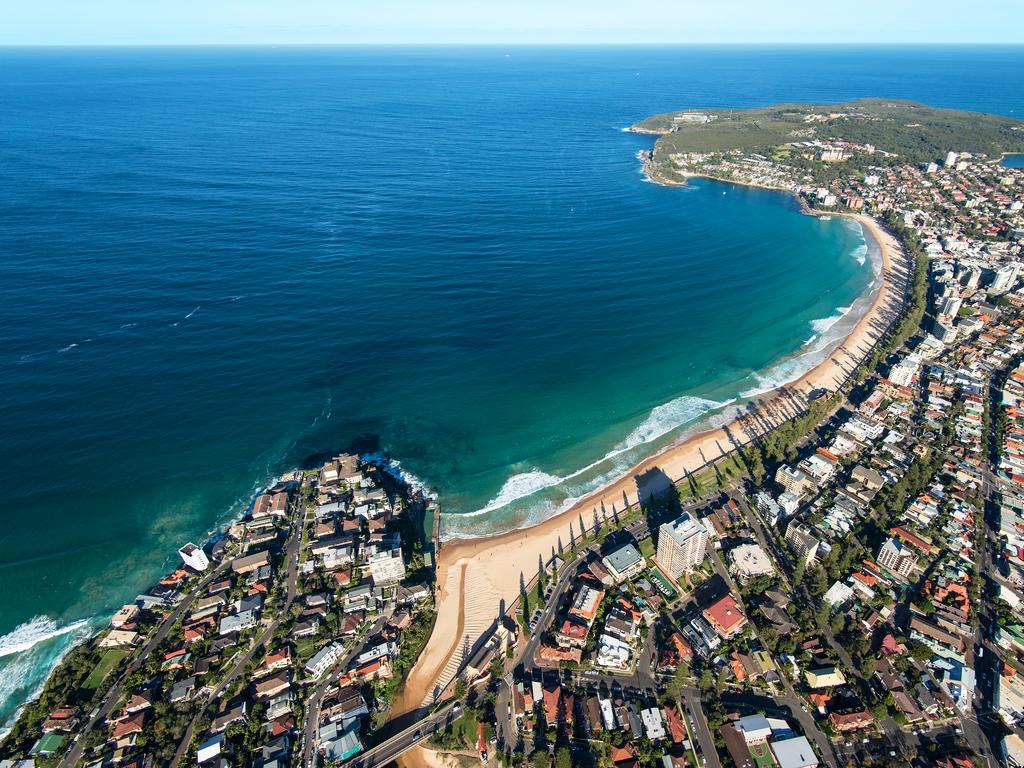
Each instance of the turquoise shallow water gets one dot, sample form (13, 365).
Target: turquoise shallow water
(219, 262)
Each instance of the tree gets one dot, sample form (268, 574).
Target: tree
(563, 758)
(540, 759)
(868, 666)
(838, 623)
(817, 581)
(460, 688)
(707, 680)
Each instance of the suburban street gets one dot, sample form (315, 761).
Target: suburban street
(291, 556)
(315, 699)
(116, 692)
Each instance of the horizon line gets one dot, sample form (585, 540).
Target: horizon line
(522, 44)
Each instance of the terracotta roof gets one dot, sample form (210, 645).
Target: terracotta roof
(130, 725)
(725, 614)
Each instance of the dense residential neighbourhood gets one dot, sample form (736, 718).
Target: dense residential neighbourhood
(280, 644)
(847, 591)
(854, 596)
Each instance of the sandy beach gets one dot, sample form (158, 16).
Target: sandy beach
(477, 578)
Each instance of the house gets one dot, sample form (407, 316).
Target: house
(824, 677)
(119, 638)
(129, 726)
(127, 614)
(236, 714)
(251, 563)
(339, 741)
(726, 616)
(211, 749)
(274, 661)
(271, 686)
(238, 622)
(412, 593)
(794, 753)
(61, 720)
(182, 689)
(855, 719)
(654, 727)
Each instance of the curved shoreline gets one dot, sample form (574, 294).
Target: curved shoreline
(816, 350)
(491, 567)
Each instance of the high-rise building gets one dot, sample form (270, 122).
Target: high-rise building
(793, 480)
(681, 545)
(803, 543)
(1005, 278)
(897, 558)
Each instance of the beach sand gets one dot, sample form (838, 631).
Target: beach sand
(478, 578)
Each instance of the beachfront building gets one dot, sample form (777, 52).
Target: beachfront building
(624, 563)
(387, 566)
(194, 557)
(793, 480)
(681, 545)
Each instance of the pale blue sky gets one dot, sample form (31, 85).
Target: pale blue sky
(89, 22)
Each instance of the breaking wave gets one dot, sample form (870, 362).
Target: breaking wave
(30, 652)
(662, 420)
(394, 468)
(34, 631)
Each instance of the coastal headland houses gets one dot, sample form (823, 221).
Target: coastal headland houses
(285, 623)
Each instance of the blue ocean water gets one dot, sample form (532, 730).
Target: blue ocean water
(217, 262)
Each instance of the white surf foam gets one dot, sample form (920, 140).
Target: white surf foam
(860, 253)
(822, 325)
(395, 469)
(24, 672)
(662, 420)
(37, 630)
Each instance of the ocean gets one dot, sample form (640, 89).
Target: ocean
(218, 262)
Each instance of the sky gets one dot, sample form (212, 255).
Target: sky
(161, 22)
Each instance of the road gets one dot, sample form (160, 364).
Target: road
(565, 578)
(309, 733)
(116, 692)
(982, 727)
(402, 742)
(700, 727)
(291, 554)
(791, 699)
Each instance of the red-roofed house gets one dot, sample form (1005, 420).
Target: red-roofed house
(726, 617)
